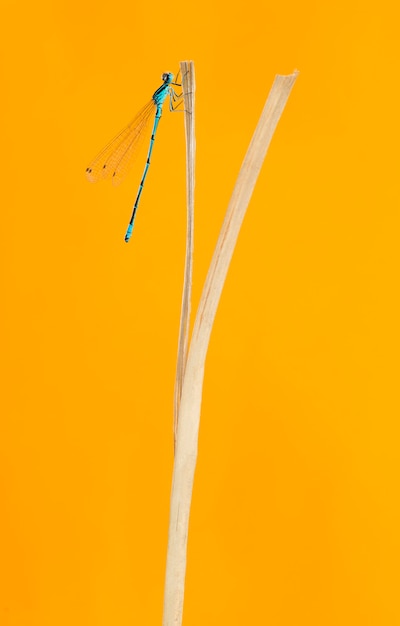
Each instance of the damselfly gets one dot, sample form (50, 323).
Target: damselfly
(115, 159)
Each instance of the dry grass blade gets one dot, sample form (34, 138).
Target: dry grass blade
(189, 413)
(188, 87)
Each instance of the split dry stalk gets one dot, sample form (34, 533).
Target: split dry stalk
(193, 370)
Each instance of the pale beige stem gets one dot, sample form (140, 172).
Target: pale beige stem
(189, 412)
(188, 88)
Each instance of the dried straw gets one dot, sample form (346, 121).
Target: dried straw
(192, 370)
(188, 86)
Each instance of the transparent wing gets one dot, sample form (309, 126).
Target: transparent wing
(117, 157)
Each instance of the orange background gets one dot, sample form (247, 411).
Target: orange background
(295, 516)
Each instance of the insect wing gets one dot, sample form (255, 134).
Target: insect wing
(116, 158)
